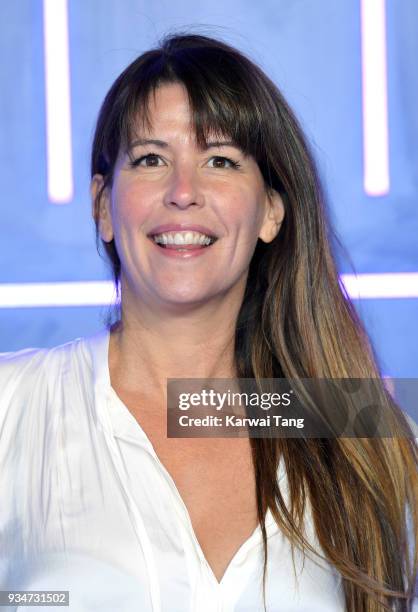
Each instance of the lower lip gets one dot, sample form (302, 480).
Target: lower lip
(185, 253)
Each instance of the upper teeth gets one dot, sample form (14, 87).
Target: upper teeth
(182, 238)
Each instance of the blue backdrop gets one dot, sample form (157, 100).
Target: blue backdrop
(311, 49)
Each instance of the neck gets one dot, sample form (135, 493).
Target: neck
(148, 346)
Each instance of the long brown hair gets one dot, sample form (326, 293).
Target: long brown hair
(295, 321)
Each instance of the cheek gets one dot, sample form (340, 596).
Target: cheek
(129, 206)
(246, 211)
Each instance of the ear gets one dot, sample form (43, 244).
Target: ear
(100, 198)
(273, 217)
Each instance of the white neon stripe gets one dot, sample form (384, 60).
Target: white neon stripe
(31, 295)
(58, 102)
(103, 293)
(374, 93)
(374, 286)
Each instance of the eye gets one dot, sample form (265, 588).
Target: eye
(223, 162)
(147, 161)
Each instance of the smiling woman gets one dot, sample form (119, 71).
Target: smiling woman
(207, 202)
(178, 212)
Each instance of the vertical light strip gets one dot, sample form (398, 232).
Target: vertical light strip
(58, 102)
(375, 106)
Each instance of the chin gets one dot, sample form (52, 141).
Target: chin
(185, 299)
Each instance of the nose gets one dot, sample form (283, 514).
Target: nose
(183, 189)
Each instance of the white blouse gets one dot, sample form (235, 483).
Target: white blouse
(87, 507)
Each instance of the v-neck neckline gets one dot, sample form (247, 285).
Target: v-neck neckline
(125, 426)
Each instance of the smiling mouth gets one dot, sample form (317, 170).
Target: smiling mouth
(183, 241)
(184, 247)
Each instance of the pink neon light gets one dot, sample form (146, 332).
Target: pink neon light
(58, 102)
(375, 106)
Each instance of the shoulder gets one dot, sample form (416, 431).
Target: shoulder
(19, 370)
(32, 372)
(36, 380)
(46, 409)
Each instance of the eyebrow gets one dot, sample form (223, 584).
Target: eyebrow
(164, 145)
(147, 141)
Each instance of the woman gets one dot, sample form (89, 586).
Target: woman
(208, 204)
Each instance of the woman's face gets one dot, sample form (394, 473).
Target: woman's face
(166, 185)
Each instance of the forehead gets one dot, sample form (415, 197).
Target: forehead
(163, 98)
(167, 111)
